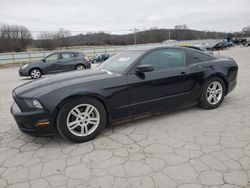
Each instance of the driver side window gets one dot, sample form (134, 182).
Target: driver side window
(165, 59)
(52, 57)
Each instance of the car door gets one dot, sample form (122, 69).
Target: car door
(169, 84)
(67, 61)
(52, 64)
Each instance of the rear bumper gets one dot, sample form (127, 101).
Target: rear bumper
(30, 122)
(87, 65)
(233, 79)
(231, 85)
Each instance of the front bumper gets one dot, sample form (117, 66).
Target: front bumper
(29, 122)
(23, 72)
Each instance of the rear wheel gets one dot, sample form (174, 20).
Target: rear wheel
(79, 67)
(35, 73)
(213, 93)
(81, 120)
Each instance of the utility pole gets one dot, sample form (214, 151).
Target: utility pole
(169, 34)
(204, 34)
(135, 30)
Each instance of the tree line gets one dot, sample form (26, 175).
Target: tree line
(18, 38)
(14, 38)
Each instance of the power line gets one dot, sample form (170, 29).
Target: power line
(73, 31)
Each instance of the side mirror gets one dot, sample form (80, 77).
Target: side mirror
(43, 60)
(144, 68)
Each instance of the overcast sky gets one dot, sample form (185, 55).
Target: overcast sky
(118, 16)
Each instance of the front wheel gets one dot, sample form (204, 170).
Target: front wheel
(213, 93)
(35, 73)
(81, 120)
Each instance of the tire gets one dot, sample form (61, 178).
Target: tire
(79, 67)
(95, 61)
(35, 73)
(82, 130)
(210, 97)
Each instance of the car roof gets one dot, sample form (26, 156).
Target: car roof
(80, 53)
(69, 51)
(150, 48)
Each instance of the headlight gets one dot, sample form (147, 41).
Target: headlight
(37, 104)
(33, 103)
(24, 66)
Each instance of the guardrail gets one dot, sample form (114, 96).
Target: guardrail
(19, 57)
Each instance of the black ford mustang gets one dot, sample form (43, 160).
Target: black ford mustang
(132, 83)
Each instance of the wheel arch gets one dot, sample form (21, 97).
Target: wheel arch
(221, 76)
(74, 96)
(80, 63)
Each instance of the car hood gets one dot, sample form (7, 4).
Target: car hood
(38, 62)
(41, 86)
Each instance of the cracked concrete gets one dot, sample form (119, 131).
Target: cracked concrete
(189, 148)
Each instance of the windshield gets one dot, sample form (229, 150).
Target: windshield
(120, 62)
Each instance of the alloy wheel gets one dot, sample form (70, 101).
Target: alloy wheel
(83, 120)
(214, 92)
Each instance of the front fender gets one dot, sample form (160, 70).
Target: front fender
(54, 100)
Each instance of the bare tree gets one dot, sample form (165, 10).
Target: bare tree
(181, 27)
(46, 40)
(63, 37)
(14, 38)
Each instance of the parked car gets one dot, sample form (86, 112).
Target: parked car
(247, 43)
(54, 63)
(219, 46)
(239, 41)
(243, 41)
(200, 48)
(99, 58)
(208, 46)
(132, 83)
(229, 44)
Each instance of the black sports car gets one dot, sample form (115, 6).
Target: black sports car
(54, 63)
(133, 83)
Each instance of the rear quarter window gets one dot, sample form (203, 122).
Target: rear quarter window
(200, 57)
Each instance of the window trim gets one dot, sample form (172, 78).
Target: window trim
(132, 69)
(57, 54)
